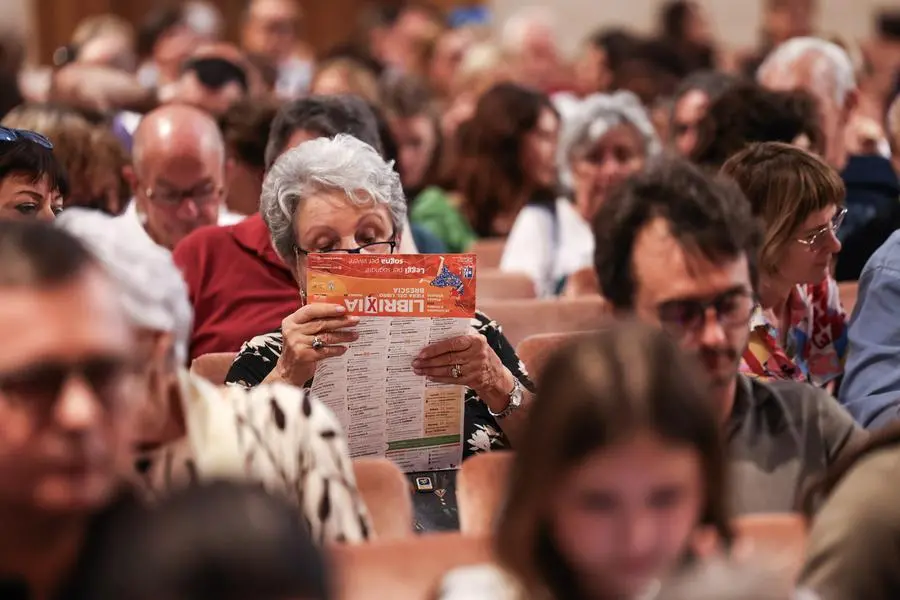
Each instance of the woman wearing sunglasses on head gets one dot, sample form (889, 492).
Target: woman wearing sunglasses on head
(32, 181)
(798, 327)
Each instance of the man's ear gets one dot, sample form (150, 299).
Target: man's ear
(851, 102)
(130, 177)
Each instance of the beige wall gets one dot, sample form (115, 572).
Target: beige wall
(735, 21)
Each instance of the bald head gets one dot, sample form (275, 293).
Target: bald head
(178, 175)
(178, 131)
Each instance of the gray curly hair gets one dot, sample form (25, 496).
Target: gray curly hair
(594, 117)
(342, 163)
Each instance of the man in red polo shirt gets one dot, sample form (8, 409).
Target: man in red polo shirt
(238, 285)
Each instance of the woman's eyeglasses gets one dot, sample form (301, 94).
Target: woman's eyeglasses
(816, 240)
(8, 134)
(386, 247)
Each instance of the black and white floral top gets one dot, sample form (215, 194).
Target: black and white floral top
(258, 357)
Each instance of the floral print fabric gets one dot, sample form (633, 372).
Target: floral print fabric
(816, 345)
(481, 432)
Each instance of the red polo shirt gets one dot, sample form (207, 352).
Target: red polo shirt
(238, 285)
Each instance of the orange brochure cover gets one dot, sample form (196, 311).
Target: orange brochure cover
(394, 285)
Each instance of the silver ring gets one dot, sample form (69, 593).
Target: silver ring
(317, 344)
(455, 371)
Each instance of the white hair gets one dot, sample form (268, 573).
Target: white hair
(342, 163)
(830, 63)
(587, 121)
(517, 26)
(153, 291)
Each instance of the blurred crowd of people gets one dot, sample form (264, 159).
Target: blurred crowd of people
(161, 190)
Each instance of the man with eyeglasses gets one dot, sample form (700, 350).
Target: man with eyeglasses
(678, 248)
(67, 412)
(177, 174)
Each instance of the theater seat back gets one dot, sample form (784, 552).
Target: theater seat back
(213, 367)
(408, 569)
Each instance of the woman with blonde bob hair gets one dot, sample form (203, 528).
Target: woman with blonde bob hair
(624, 466)
(798, 328)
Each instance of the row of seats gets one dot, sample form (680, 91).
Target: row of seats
(413, 567)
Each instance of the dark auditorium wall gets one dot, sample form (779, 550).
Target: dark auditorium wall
(327, 22)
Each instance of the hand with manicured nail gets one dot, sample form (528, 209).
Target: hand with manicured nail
(326, 323)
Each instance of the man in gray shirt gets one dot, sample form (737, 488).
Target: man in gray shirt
(677, 247)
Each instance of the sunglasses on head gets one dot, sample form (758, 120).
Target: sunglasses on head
(8, 134)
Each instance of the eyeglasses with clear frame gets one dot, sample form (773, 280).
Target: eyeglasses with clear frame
(816, 240)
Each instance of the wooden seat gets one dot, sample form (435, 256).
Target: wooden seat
(523, 318)
(536, 349)
(494, 284)
(214, 366)
(848, 290)
(408, 569)
(481, 490)
(386, 492)
(776, 537)
(488, 252)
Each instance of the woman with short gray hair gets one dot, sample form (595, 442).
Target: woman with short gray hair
(604, 141)
(339, 196)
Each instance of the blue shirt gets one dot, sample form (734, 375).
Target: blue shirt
(871, 386)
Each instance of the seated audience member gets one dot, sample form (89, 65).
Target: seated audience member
(338, 195)
(237, 283)
(245, 129)
(345, 75)
(270, 28)
(482, 67)
(608, 139)
(90, 154)
(798, 329)
(825, 71)
(678, 248)
(221, 540)
(165, 40)
(622, 438)
(213, 78)
(33, 183)
(416, 130)
(691, 101)
(851, 549)
(592, 72)
(66, 411)
(188, 429)
(503, 158)
(107, 40)
(449, 53)
(177, 174)
(746, 113)
(530, 45)
(871, 386)
(684, 28)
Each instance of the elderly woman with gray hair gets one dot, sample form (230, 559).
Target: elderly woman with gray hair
(190, 430)
(339, 195)
(606, 139)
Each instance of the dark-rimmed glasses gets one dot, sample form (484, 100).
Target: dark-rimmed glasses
(202, 194)
(385, 247)
(815, 240)
(683, 317)
(8, 134)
